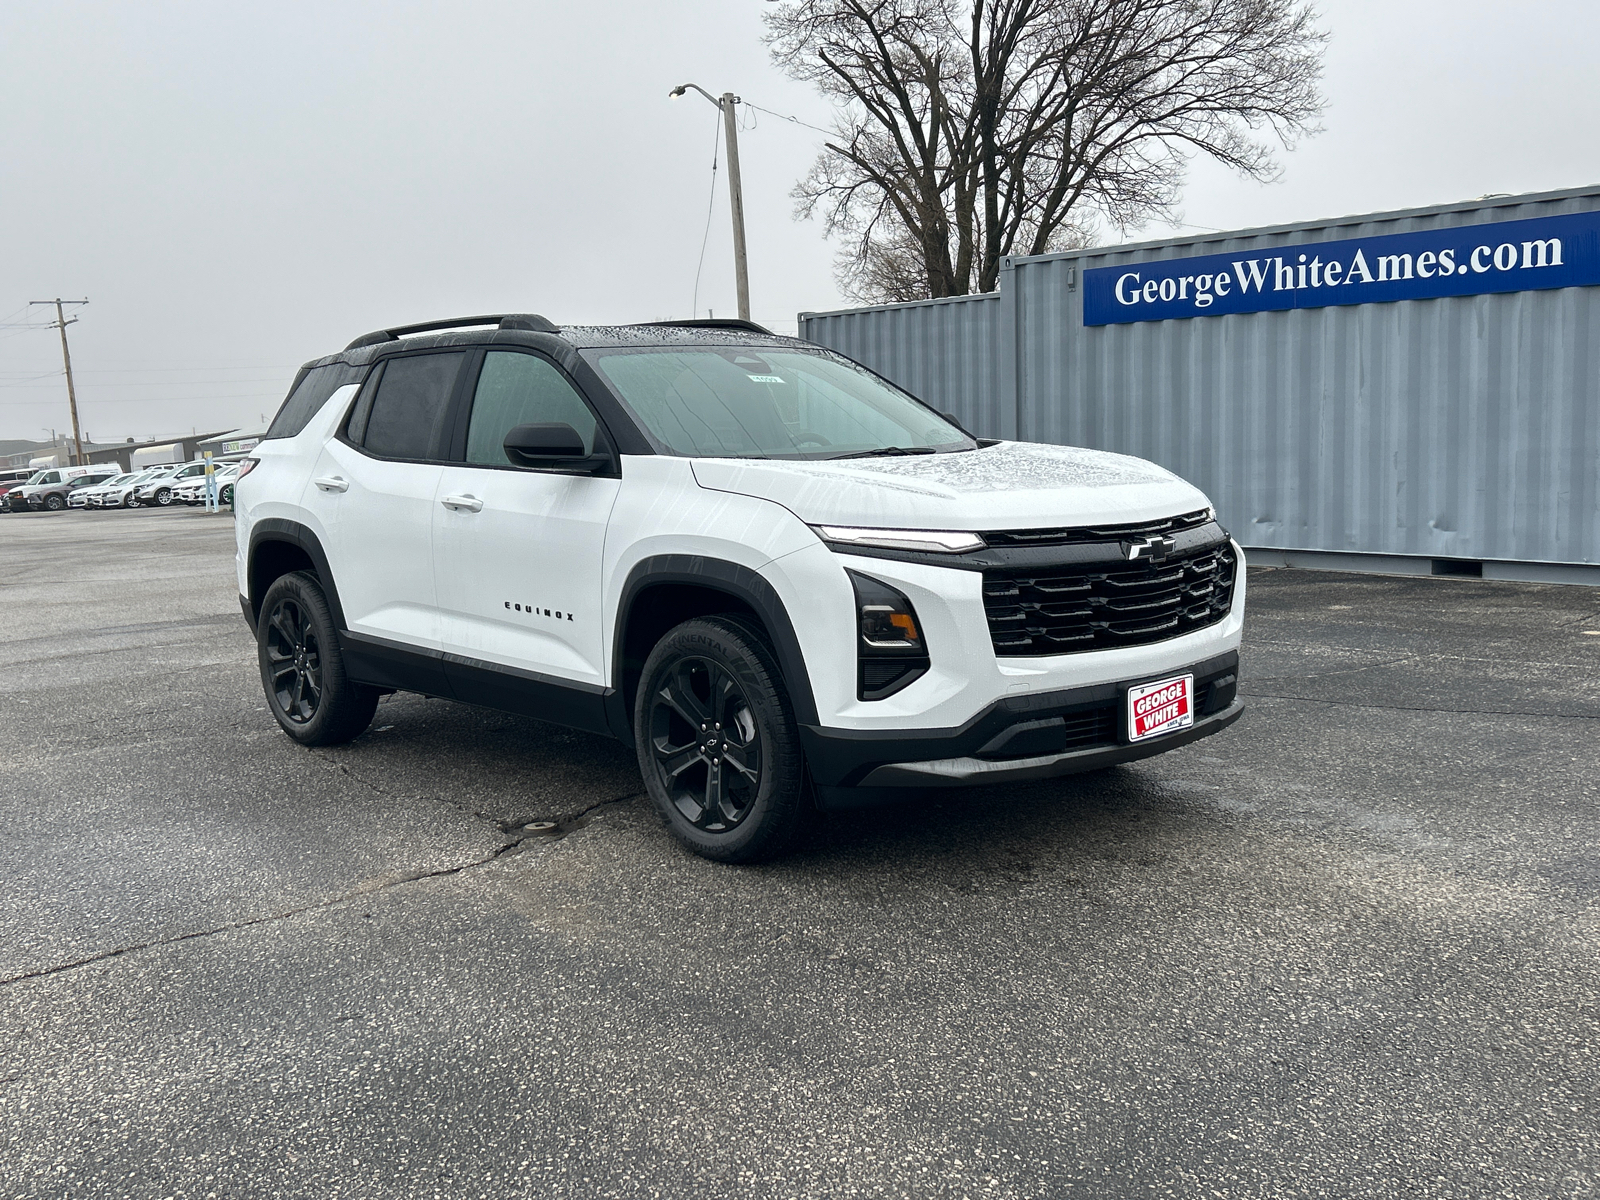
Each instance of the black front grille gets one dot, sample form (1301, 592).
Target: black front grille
(1097, 727)
(1064, 609)
(1081, 534)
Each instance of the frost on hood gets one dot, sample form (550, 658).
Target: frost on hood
(1014, 467)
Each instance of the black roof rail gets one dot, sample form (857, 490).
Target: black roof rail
(715, 323)
(532, 322)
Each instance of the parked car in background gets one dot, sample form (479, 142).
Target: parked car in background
(157, 488)
(119, 492)
(84, 497)
(16, 498)
(193, 491)
(49, 490)
(11, 479)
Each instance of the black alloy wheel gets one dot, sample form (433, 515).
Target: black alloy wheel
(716, 741)
(706, 745)
(302, 669)
(294, 660)
(54, 502)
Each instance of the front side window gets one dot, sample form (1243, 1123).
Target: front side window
(405, 414)
(520, 389)
(734, 402)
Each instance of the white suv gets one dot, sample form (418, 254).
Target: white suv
(158, 486)
(780, 578)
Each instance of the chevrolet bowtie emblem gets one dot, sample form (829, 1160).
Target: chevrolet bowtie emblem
(1155, 549)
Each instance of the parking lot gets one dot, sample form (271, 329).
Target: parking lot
(1348, 948)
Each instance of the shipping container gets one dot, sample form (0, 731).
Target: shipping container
(1415, 391)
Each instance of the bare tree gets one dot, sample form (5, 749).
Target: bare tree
(970, 131)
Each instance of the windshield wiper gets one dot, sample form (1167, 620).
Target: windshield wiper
(884, 452)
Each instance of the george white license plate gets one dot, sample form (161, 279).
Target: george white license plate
(1165, 706)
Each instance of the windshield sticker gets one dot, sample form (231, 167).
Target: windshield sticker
(765, 378)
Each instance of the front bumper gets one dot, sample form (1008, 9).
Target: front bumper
(962, 772)
(1029, 736)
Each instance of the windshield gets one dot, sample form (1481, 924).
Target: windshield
(36, 477)
(734, 402)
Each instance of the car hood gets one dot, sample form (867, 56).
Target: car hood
(1012, 485)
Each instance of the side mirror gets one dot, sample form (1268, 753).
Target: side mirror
(555, 446)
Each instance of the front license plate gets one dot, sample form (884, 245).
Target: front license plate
(1162, 707)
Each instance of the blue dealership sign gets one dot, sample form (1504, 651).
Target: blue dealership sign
(1462, 260)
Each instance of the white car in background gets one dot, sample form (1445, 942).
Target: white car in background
(119, 492)
(84, 497)
(157, 489)
(193, 491)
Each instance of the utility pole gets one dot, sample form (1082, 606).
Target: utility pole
(741, 271)
(61, 323)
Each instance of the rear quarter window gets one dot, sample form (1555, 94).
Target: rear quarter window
(310, 392)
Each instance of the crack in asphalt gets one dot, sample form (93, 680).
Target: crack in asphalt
(564, 826)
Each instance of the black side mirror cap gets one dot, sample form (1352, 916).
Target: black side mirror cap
(555, 445)
(558, 440)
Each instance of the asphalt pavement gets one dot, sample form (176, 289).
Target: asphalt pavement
(1348, 948)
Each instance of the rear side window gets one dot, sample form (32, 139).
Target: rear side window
(408, 406)
(519, 389)
(310, 392)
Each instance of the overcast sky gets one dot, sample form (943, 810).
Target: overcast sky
(239, 189)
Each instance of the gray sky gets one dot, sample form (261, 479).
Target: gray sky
(239, 190)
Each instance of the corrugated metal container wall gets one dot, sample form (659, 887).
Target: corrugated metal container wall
(1464, 426)
(944, 351)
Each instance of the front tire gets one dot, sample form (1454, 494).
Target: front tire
(302, 670)
(715, 735)
(54, 503)
(163, 497)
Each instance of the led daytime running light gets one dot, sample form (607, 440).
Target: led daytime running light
(936, 541)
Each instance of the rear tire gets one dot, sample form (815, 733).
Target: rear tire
(716, 739)
(302, 669)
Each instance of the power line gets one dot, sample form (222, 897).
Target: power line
(792, 120)
(154, 399)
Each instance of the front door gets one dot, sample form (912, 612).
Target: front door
(518, 553)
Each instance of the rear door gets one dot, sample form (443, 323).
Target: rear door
(518, 550)
(373, 493)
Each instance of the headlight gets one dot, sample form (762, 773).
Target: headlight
(891, 651)
(934, 541)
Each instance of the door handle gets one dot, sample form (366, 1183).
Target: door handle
(332, 483)
(458, 503)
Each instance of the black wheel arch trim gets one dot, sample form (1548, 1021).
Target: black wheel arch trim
(280, 529)
(739, 582)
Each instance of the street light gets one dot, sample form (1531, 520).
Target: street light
(735, 190)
